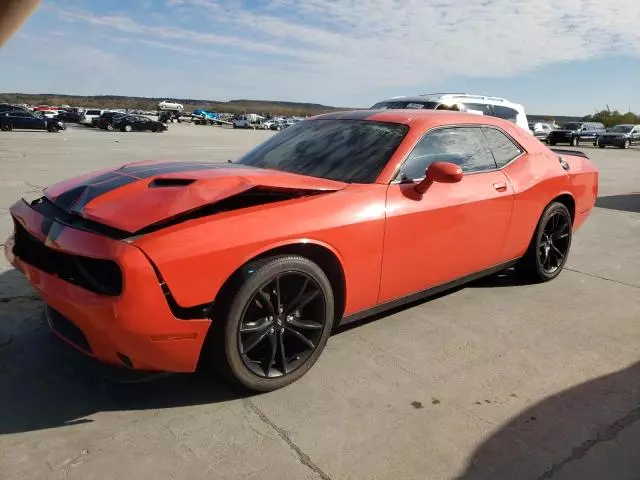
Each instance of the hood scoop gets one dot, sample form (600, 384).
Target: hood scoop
(136, 197)
(170, 182)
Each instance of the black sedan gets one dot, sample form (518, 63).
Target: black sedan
(129, 123)
(622, 136)
(29, 121)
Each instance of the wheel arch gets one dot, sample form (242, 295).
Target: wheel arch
(568, 201)
(326, 257)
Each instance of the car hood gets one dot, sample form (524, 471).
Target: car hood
(139, 195)
(615, 134)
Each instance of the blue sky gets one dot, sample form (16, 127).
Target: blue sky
(554, 56)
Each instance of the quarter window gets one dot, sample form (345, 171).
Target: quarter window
(485, 108)
(505, 112)
(503, 149)
(464, 146)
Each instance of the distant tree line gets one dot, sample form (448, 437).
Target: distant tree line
(612, 117)
(142, 103)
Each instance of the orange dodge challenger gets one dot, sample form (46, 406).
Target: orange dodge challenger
(248, 265)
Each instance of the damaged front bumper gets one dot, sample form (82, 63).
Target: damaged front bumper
(131, 326)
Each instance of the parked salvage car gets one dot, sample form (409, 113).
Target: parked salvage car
(464, 102)
(16, 119)
(138, 123)
(89, 117)
(575, 132)
(106, 119)
(622, 136)
(540, 130)
(247, 266)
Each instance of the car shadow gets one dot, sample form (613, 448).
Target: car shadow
(42, 385)
(591, 430)
(629, 202)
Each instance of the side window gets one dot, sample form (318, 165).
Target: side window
(464, 146)
(505, 112)
(503, 149)
(479, 107)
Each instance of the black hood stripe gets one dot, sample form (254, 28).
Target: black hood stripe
(74, 200)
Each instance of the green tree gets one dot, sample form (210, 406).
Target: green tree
(612, 117)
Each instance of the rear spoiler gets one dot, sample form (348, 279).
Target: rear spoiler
(563, 151)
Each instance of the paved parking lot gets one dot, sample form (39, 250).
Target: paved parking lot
(497, 380)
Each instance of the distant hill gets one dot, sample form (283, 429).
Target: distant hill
(149, 103)
(233, 106)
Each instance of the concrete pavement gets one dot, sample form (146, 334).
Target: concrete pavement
(496, 380)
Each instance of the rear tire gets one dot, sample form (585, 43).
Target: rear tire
(254, 327)
(549, 248)
(575, 142)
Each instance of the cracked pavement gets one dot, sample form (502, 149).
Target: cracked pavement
(493, 381)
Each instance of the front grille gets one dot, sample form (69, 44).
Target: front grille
(96, 275)
(68, 330)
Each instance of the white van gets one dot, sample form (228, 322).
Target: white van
(89, 116)
(464, 102)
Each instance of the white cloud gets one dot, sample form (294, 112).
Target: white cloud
(346, 47)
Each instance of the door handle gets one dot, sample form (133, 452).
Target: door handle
(500, 186)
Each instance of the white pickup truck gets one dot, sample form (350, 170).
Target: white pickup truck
(250, 120)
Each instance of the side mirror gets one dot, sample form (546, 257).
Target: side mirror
(442, 172)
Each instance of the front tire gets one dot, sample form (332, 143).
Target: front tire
(274, 325)
(549, 248)
(53, 128)
(574, 142)
(6, 127)
(127, 128)
(626, 144)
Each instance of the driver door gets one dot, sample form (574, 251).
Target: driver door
(454, 229)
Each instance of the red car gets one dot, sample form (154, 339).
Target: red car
(248, 265)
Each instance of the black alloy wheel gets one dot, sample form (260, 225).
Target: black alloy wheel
(554, 243)
(549, 248)
(278, 319)
(282, 325)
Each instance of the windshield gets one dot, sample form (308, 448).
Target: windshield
(621, 128)
(352, 151)
(396, 105)
(572, 126)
